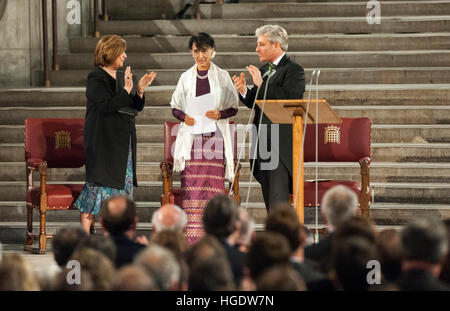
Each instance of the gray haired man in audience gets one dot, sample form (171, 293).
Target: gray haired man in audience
(169, 217)
(338, 204)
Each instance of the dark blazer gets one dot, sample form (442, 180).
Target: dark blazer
(126, 250)
(420, 280)
(107, 132)
(321, 250)
(236, 259)
(288, 82)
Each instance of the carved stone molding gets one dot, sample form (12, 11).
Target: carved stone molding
(2, 7)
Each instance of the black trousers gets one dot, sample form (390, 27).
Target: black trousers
(276, 185)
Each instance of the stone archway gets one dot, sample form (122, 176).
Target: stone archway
(2, 7)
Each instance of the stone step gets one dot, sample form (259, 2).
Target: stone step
(309, 1)
(389, 75)
(238, 60)
(418, 193)
(269, 10)
(358, 94)
(150, 171)
(381, 152)
(381, 133)
(299, 43)
(13, 232)
(347, 25)
(159, 115)
(380, 213)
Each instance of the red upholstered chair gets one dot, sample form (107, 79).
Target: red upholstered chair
(50, 143)
(345, 142)
(173, 195)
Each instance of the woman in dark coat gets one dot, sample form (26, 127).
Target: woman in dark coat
(113, 99)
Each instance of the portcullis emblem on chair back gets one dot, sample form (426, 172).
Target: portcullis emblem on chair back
(332, 134)
(62, 140)
(50, 143)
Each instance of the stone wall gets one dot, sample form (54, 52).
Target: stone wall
(21, 53)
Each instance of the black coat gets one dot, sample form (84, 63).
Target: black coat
(288, 82)
(107, 132)
(126, 250)
(420, 280)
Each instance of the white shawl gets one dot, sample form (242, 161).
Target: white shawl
(225, 96)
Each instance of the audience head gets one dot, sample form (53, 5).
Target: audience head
(173, 240)
(162, 265)
(118, 215)
(245, 229)
(284, 220)
(211, 274)
(16, 274)
(220, 216)
(85, 282)
(169, 217)
(207, 247)
(101, 243)
(425, 240)
(65, 241)
(99, 267)
(280, 278)
(338, 204)
(389, 247)
(267, 249)
(349, 260)
(134, 278)
(356, 226)
(445, 272)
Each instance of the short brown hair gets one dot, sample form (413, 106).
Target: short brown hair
(108, 49)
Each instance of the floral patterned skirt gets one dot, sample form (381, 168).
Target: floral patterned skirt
(92, 195)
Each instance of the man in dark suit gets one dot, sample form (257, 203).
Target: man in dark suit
(338, 205)
(119, 220)
(286, 81)
(424, 245)
(219, 220)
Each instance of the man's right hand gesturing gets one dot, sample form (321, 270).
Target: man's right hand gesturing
(240, 84)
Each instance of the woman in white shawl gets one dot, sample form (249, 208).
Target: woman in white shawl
(204, 160)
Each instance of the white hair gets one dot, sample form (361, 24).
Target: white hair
(339, 204)
(177, 226)
(274, 33)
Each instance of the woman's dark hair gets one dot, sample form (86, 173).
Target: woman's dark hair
(202, 40)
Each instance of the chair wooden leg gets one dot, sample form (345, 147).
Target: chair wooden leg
(28, 246)
(29, 231)
(42, 231)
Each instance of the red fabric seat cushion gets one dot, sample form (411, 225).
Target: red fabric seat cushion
(323, 186)
(58, 196)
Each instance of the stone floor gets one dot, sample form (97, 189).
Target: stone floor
(38, 262)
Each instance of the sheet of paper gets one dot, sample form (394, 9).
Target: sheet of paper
(196, 108)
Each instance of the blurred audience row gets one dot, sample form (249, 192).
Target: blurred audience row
(351, 256)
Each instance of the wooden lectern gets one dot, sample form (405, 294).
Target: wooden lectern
(293, 112)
